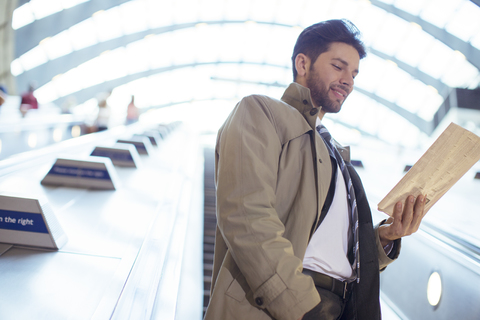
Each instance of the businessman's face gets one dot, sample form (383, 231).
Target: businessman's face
(330, 79)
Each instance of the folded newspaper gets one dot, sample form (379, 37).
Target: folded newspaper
(454, 152)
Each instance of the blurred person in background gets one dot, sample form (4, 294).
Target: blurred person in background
(3, 94)
(28, 100)
(132, 112)
(104, 112)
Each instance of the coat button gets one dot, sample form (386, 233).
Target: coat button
(305, 102)
(313, 111)
(259, 301)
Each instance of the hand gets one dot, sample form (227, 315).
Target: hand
(404, 221)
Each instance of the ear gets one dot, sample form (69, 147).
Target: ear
(302, 65)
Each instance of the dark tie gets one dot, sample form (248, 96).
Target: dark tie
(327, 138)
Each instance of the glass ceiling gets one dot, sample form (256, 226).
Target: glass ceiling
(236, 48)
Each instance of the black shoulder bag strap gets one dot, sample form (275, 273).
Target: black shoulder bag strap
(330, 194)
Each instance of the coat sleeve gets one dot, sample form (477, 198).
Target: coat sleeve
(249, 150)
(383, 259)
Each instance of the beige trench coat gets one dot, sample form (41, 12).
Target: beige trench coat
(272, 176)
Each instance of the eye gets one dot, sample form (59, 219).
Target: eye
(336, 67)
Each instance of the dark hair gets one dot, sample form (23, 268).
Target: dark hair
(317, 38)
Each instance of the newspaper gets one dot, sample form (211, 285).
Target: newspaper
(454, 152)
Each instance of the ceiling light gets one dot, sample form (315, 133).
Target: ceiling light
(57, 135)
(44, 40)
(97, 13)
(392, 63)
(416, 25)
(76, 131)
(460, 55)
(432, 88)
(32, 140)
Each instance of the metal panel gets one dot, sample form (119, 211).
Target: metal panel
(405, 281)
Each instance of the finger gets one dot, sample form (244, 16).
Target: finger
(397, 212)
(395, 227)
(407, 215)
(419, 213)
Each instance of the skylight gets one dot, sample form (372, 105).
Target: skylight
(226, 49)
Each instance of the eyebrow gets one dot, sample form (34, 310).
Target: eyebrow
(344, 63)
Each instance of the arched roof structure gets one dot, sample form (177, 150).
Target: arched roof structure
(173, 52)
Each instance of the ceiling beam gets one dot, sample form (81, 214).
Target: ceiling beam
(416, 73)
(33, 33)
(422, 124)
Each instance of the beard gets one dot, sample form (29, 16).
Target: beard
(319, 93)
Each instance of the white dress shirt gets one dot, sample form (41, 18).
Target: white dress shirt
(328, 249)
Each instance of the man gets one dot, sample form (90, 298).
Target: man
(286, 235)
(28, 98)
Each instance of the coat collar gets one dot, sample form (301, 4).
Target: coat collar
(299, 97)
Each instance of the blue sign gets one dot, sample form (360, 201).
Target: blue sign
(22, 221)
(120, 156)
(79, 172)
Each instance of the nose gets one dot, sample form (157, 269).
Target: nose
(347, 80)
